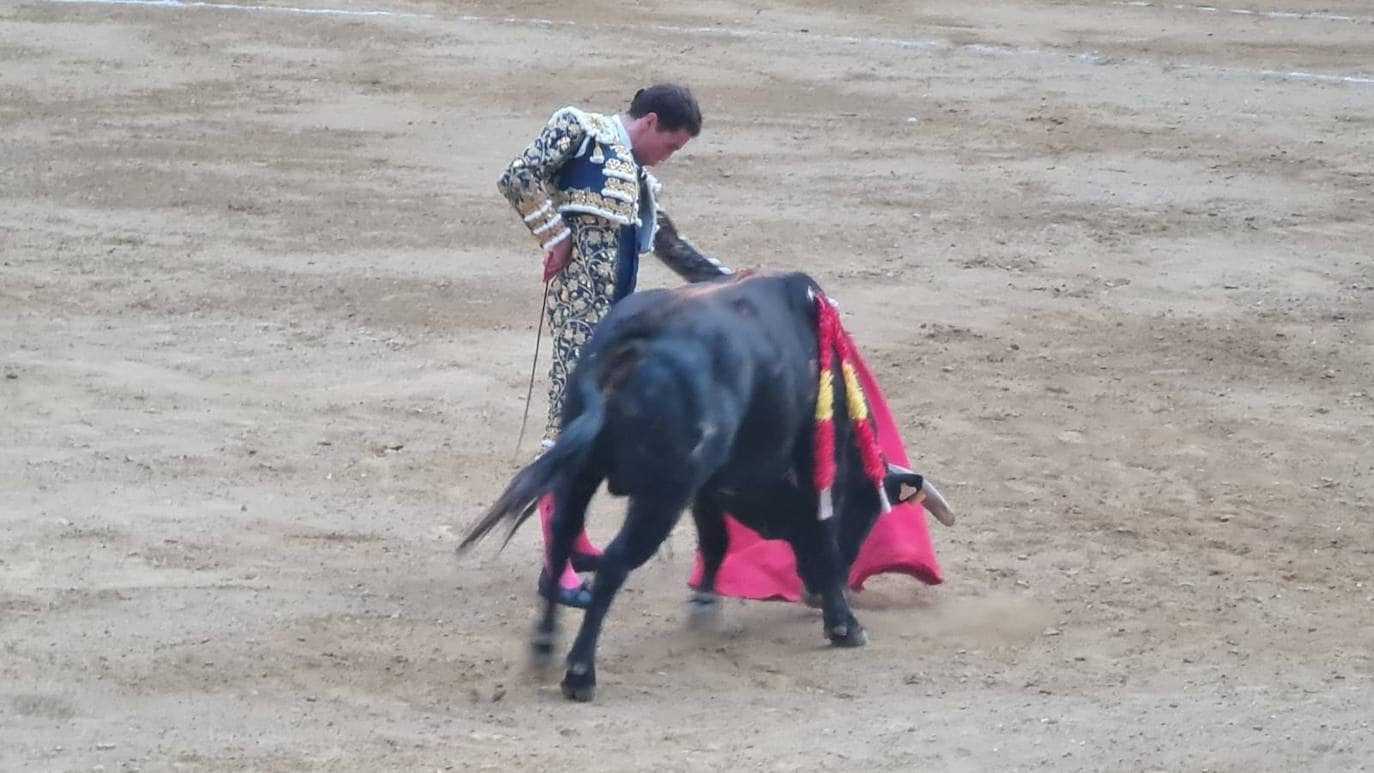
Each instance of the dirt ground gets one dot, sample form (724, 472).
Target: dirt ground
(266, 324)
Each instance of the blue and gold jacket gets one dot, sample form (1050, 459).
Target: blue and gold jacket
(581, 164)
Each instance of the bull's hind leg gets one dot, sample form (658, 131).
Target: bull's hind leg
(647, 524)
(569, 517)
(712, 541)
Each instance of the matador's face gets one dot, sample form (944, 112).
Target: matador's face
(655, 144)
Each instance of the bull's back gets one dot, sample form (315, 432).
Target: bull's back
(762, 332)
(705, 380)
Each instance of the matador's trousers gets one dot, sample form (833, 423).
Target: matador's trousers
(581, 295)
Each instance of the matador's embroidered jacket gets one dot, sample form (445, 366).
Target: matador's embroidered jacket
(582, 163)
(579, 180)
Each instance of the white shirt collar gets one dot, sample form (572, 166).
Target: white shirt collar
(624, 133)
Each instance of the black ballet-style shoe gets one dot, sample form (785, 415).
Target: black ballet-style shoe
(578, 598)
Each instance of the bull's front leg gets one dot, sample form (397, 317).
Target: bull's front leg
(703, 609)
(823, 571)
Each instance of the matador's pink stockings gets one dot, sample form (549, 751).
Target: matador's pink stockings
(568, 579)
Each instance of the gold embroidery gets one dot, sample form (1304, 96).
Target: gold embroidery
(622, 212)
(528, 178)
(580, 298)
(629, 189)
(601, 126)
(621, 166)
(529, 206)
(542, 224)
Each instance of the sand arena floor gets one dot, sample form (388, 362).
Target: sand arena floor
(265, 326)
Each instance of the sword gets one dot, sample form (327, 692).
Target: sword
(534, 367)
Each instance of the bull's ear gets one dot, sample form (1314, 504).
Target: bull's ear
(903, 485)
(909, 493)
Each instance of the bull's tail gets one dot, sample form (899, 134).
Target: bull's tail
(522, 496)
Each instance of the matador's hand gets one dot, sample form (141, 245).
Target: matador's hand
(557, 259)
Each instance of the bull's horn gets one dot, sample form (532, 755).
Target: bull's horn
(936, 505)
(928, 496)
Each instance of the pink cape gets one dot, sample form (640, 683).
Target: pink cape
(756, 568)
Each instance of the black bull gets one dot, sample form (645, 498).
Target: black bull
(702, 395)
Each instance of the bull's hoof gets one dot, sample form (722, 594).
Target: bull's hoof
(579, 684)
(848, 635)
(579, 693)
(541, 651)
(703, 612)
